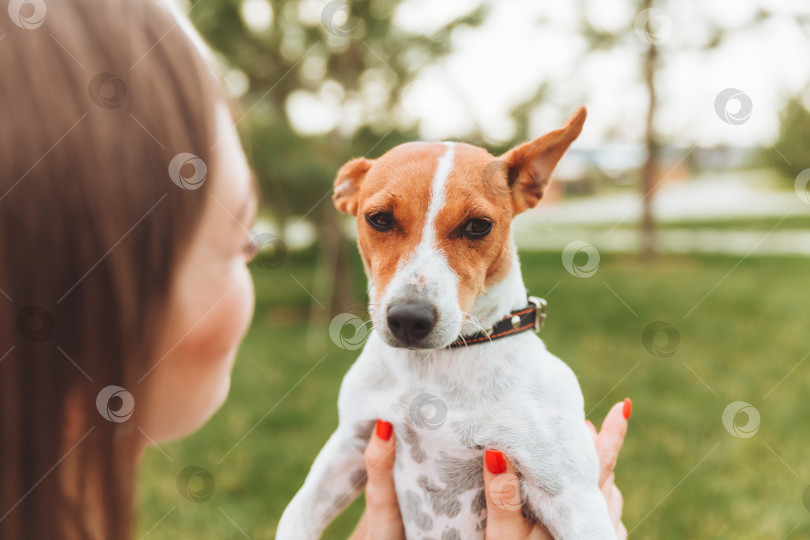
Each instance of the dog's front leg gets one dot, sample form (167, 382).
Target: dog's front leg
(336, 478)
(575, 513)
(559, 487)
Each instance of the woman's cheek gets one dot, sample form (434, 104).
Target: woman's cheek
(218, 335)
(193, 379)
(246, 300)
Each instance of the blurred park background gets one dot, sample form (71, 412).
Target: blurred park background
(673, 246)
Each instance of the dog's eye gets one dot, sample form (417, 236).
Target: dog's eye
(382, 221)
(477, 228)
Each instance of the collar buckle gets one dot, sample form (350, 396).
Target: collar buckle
(540, 306)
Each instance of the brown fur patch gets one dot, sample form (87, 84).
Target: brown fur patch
(479, 186)
(400, 183)
(475, 189)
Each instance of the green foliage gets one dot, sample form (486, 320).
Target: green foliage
(295, 171)
(790, 153)
(740, 343)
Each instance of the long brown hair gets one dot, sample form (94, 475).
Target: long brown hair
(96, 101)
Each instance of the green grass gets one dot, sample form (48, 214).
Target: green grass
(682, 474)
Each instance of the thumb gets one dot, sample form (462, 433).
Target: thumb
(382, 518)
(610, 438)
(504, 504)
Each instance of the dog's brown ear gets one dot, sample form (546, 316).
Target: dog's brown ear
(530, 165)
(347, 184)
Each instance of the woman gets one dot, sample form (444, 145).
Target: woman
(125, 205)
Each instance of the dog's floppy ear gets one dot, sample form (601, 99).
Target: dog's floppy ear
(347, 184)
(530, 165)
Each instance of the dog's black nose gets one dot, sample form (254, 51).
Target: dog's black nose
(411, 322)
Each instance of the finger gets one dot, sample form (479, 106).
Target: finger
(621, 531)
(382, 518)
(504, 505)
(591, 429)
(361, 530)
(615, 505)
(610, 438)
(614, 500)
(607, 486)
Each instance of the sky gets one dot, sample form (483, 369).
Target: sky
(505, 59)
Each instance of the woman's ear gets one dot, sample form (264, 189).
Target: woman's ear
(347, 184)
(530, 165)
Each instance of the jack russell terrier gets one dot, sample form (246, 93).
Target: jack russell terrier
(448, 362)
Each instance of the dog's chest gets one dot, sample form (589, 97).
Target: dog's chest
(439, 483)
(443, 412)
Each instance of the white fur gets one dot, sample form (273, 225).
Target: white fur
(425, 274)
(510, 394)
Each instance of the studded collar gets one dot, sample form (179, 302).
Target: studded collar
(532, 317)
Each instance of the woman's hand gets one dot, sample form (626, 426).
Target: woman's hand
(381, 519)
(504, 516)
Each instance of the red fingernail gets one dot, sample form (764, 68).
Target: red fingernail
(628, 408)
(495, 462)
(384, 429)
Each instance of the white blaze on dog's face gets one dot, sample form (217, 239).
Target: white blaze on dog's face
(434, 223)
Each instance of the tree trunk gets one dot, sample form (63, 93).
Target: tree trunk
(332, 284)
(650, 170)
(340, 265)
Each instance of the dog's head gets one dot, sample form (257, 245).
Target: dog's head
(434, 222)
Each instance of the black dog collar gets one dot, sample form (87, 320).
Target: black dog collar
(531, 317)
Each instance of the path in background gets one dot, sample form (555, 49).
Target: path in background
(731, 242)
(603, 221)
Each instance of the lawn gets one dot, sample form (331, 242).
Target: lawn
(742, 335)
